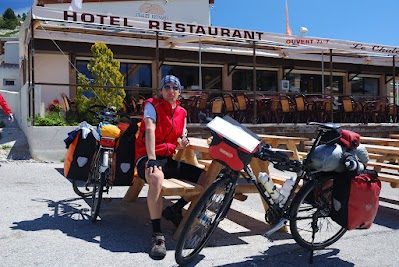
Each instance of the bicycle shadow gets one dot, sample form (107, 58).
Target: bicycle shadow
(293, 255)
(123, 233)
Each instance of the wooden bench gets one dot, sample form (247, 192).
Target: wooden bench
(170, 187)
(379, 141)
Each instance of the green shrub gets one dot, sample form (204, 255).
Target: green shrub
(50, 119)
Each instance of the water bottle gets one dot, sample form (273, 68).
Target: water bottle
(268, 184)
(285, 191)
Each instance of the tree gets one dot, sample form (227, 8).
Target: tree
(105, 71)
(10, 21)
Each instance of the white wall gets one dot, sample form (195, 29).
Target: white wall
(171, 10)
(11, 52)
(9, 73)
(51, 68)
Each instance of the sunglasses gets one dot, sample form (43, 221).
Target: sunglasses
(168, 87)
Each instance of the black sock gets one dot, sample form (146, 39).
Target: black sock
(156, 226)
(179, 204)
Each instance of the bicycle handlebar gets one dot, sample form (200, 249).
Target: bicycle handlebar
(279, 159)
(107, 114)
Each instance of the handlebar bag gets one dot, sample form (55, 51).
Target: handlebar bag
(355, 199)
(124, 155)
(233, 144)
(79, 155)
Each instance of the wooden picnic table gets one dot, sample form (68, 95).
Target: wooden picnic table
(188, 155)
(380, 141)
(394, 136)
(289, 141)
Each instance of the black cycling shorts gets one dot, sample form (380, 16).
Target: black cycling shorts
(172, 169)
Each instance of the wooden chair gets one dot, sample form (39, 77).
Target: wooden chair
(69, 105)
(301, 109)
(217, 106)
(231, 107)
(349, 110)
(244, 112)
(286, 109)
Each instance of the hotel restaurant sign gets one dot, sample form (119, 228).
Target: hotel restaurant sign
(41, 13)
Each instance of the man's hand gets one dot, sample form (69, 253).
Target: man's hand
(152, 167)
(11, 117)
(184, 141)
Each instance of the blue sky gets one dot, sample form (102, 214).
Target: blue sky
(367, 21)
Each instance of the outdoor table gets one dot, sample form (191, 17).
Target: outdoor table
(380, 141)
(289, 141)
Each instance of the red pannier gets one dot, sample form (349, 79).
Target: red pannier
(355, 199)
(225, 147)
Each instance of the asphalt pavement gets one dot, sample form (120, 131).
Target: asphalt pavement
(44, 223)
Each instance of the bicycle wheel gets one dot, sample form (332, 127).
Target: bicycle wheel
(97, 196)
(211, 208)
(80, 188)
(311, 225)
(97, 181)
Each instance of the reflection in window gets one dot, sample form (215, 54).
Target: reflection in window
(312, 83)
(365, 86)
(265, 80)
(136, 74)
(189, 76)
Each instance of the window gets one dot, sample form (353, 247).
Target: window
(136, 74)
(364, 86)
(265, 80)
(7, 82)
(312, 83)
(189, 76)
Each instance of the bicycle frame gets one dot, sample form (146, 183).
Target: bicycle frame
(303, 173)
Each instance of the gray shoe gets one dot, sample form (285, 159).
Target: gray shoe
(158, 248)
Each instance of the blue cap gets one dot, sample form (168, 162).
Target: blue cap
(170, 79)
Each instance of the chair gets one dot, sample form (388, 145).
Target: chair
(264, 110)
(302, 109)
(69, 105)
(217, 106)
(349, 110)
(244, 113)
(286, 109)
(231, 107)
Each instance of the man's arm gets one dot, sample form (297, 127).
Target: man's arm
(150, 138)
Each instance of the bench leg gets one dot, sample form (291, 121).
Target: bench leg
(133, 192)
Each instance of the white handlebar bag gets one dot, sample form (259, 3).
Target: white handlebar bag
(233, 144)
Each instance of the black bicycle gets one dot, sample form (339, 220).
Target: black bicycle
(102, 171)
(307, 210)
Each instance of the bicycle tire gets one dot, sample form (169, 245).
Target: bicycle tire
(80, 188)
(97, 196)
(310, 208)
(210, 209)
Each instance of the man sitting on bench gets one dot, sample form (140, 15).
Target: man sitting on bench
(163, 123)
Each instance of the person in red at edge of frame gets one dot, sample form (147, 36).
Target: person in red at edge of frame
(6, 108)
(162, 127)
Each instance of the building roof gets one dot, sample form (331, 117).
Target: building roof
(58, 25)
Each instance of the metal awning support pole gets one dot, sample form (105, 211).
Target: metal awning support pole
(331, 87)
(33, 70)
(157, 64)
(322, 73)
(394, 84)
(200, 64)
(254, 119)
